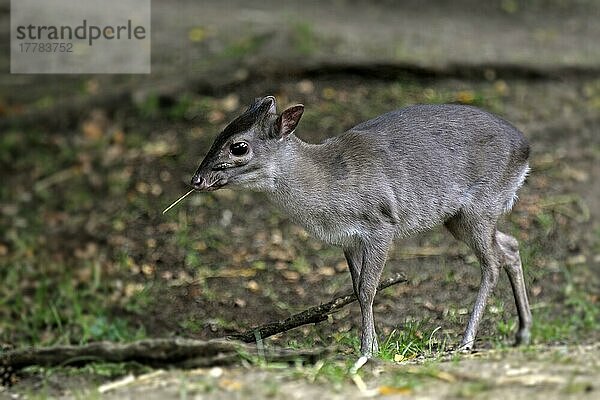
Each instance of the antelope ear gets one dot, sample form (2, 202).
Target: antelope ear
(264, 105)
(287, 121)
(272, 104)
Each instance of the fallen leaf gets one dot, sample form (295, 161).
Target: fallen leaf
(148, 269)
(291, 275)
(215, 116)
(231, 102)
(391, 390)
(328, 93)
(92, 130)
(305, 86)
(445, 376)
(234, 273)
(155, 189)
(230, 385)
(341, 266)
(501, 87)
(95, 126)
(326, 271)
(240, 302)
(142, 187)
(118, 136)
(133, 288)
(252, 286)
(159, 148)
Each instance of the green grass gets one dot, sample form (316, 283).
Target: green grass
(331, 371)
(53, 298)
(412, 340)
(54, 309)
(397, 377)
(347, 340)
(578, 317)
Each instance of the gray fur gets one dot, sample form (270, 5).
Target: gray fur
(397, 174)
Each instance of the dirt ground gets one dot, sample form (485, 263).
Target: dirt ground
(557, 372)
(87, 254)
(565, 372)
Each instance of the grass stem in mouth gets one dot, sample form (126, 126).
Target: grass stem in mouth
(178, 200)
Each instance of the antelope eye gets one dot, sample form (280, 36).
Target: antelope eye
(239, 148)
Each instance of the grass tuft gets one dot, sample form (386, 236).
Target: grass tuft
(412, 341)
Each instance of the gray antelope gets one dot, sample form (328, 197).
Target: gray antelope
(400, 173)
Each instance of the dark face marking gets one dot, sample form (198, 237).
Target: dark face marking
(255, 117)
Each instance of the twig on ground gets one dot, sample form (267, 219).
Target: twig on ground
(311, 316)
(189, 353)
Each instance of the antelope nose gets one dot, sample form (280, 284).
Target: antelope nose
(197, 182)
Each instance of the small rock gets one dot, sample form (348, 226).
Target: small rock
(215, 372)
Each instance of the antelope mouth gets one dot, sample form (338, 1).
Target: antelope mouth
(216, 185)
(203, 185)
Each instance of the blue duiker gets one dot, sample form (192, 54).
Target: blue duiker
(403, 172)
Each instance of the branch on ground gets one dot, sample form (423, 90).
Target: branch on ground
(189, 353)
(311, 316)
(180, 352)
